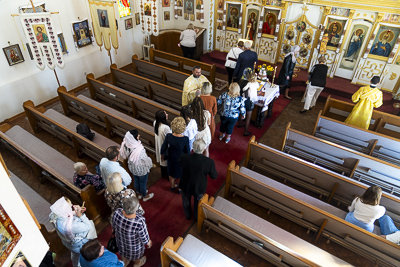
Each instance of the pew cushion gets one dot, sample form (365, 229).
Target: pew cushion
(70, 124)
(295, 193)
(40, 207)
(48, 155)
(202, 255)
(281, 236)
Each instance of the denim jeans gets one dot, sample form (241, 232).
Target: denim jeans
(140, 183)
(350, 218)
(387, 225)
(227, 124)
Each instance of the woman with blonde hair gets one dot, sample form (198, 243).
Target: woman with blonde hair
(210, 104)
(232, 106)
(365, 210)
(116, 192)
(175, 144)
(188, 41)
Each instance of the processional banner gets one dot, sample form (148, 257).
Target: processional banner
(149, 12)
(42, 38)
(104, 23)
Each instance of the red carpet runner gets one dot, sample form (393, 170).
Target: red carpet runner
(164, 213)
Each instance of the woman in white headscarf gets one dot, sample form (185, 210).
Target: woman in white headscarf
(139, 163)
(72, 226)
(286, 72)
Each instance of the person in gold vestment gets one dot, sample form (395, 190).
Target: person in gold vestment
(192, 86)
(368, 98)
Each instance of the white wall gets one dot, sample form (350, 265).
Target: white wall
(32, 243)
(24, 81)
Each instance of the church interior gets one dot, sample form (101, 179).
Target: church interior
(282, 194)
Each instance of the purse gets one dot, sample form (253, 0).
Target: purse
(220, 108)
(112, 244)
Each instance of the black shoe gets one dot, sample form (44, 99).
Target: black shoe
(247, 134)
(310, 109)
(240, 125)
(303, 111)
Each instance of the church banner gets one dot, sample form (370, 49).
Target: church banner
(149, 11)
(42, 38)
(104, 23)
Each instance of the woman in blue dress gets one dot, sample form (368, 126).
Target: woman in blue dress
(175, 144)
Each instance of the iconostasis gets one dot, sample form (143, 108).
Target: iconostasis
(357, 44)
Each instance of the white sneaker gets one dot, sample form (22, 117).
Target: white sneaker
(140, 197)
(149, 196)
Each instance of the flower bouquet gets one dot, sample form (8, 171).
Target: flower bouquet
(264, 71)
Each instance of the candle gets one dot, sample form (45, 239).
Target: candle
(273, 77)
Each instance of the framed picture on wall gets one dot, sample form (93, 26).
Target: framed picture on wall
(9, 235)
(29, 51)
(20, 260)
(166, 15)
(128, 24)
(189, 6)
(63, 45)
(82, 33)
(334, 29)
(384, 41)
(165, 3)
(13, 54)
(270, 20)
(232, 16)
(252, 23)
(137, 18)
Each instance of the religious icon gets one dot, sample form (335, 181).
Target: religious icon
(269, 23)
(220, 4)
(303, 52)
(103, 18)
(179, 12)
(355, 44)
(9, 233)
(307, 38)
(233, 15)
(324, 42)
(334, 29)
(186, 16)
(397, 62)
(124, 8)
(13, 54)
(219, 26)
(383, 47)
(189, 6)
(252, 22)
(82, 33)
(286, 48)
(301, 26)
(20, 261)
(29, 51)
(137, 18)
(394, 18)
(192, 17)
(198, 4)
(41, 34)
(289, 34)
(165, 3)
(179, 3)
(220, 16)
(199, 15)
(147, 9)
(63, 45)
(166, 15)
(128, 24)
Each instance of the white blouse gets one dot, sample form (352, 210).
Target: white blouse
(163, 130)
(366, 213)
(253, 88)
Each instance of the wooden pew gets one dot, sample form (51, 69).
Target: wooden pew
(182, 64)
(259, 236)
(158, 73)
(138, 106)
(46, 161)
(329, 185)
(381, 122)
(65, 129)
(311, 213)
(342, 160)
(191, 252)
(112, 120)
(164, 94)
(371, 143)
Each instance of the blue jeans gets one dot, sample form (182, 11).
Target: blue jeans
(387, 225)
(227, 124)
(350, 218)
(140, 183)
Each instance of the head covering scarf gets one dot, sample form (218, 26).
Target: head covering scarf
(294, 49)
(134, 145)
(62, 209)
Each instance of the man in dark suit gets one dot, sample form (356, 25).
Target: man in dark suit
(195, 168)
(245, 60)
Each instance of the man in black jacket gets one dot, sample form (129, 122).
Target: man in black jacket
(195, 168)
(316, 83)
(246, 59)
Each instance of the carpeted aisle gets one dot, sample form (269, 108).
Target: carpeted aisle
(164, 213)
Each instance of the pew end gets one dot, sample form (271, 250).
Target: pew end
(200, 213)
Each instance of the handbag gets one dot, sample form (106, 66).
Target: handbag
(112, 244)
(220, 108)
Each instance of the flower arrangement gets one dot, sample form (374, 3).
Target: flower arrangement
(264, 70)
